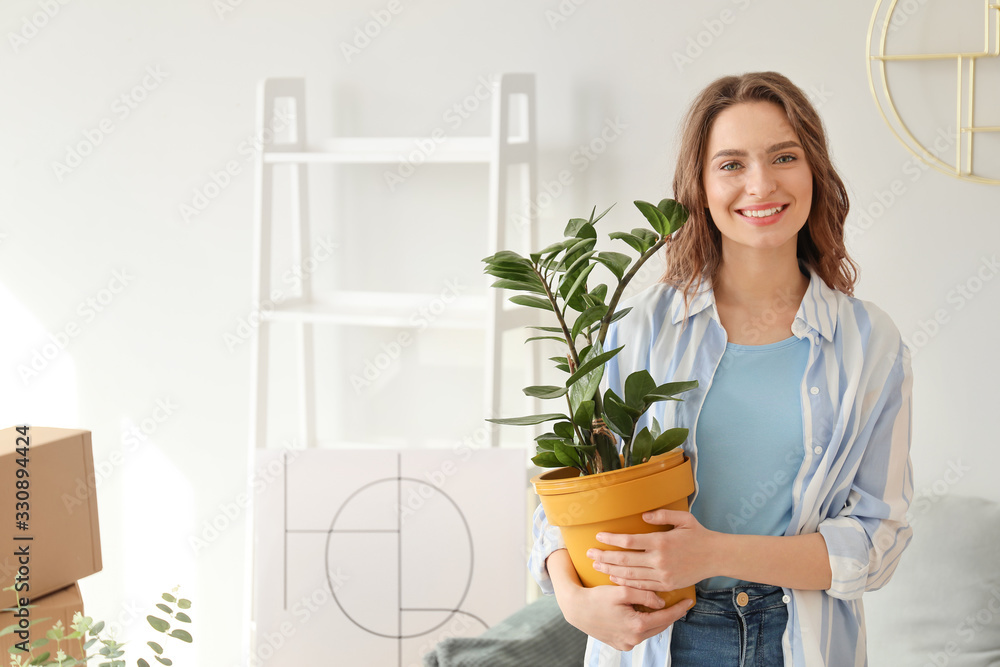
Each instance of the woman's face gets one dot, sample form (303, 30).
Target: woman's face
(756, 178)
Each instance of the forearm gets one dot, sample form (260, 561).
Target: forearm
(798, 561)
(563, 575)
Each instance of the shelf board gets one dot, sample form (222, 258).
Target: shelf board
(397, 310)
(389, 150)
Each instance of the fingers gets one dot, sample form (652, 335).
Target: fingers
(667, 518)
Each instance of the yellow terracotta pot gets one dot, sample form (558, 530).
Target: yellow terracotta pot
(614, 502)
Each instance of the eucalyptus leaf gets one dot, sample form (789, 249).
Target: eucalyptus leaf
(183, 635)
(158, 624)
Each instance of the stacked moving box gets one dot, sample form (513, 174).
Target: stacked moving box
(49, 535)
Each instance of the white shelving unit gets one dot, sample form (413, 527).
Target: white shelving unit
(500, 150)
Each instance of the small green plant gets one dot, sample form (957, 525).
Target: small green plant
(87, 634)
(555, 280)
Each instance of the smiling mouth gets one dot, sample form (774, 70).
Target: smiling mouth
(763, 212)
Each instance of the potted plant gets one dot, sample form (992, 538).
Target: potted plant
(598, 486)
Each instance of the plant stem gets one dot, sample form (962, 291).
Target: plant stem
(562, 322)
(626, 279)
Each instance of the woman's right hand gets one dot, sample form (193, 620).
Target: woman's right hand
(606, 613)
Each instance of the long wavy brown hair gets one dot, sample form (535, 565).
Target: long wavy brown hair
(695, 251)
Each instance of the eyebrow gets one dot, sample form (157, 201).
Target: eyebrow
(735, 152)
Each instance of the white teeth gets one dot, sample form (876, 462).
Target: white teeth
(762, 213)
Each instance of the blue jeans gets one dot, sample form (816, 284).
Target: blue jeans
(719, 632)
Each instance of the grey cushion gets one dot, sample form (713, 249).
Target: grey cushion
(535, 635)
(942, 606)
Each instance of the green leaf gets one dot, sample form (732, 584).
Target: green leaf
(620, 314)
(90, 642)
(531, 301)
(616, 416)
(578, 261)
(519, 285)
(573, 226)
(168, 597)
(591, 364)
(546, 460)
(642, 446)
(668, 392)
(165, 609)
(156, 647)
(588, 317)
(40, 659)
(502, 257)
(530, 420)
(584, 415)
(567, 455)
(39, 642)
(656, 218)
(555, 338)
(615, 261)
(668, 440)
(556, 247)
(587, 386)
(183, 635)
(599, 293)
(163, 661)
(96, 628)
(158, 624)
(545, 391)
(557, 330)
(675, 212)
(655, 429)
(184, 604)
(564, 430)
(630, 239)
(142, 663)
(637, 386)
(594, 220)
(647, 237)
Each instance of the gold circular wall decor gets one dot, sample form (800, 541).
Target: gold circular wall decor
(966, 130)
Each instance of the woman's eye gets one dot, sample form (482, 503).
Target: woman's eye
(785, 158)
(730, 166)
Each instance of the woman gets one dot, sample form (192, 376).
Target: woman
(799, 430)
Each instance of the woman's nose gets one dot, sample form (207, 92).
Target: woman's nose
(761, 182)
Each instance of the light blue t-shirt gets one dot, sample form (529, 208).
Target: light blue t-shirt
(750, 441)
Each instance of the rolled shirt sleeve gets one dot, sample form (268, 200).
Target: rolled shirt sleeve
(547, 539)
(867, 537)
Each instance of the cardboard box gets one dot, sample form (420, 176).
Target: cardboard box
(58, 606)
(59, 541)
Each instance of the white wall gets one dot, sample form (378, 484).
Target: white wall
(161, 337)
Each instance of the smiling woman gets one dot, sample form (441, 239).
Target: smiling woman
(800, 425)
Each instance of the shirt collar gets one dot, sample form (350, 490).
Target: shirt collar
(817, 312)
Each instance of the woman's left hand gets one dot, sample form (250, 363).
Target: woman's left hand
(660, 561)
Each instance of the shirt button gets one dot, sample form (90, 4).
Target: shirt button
(817, 449)
(786, 599)
(814, 391)
(742, 599)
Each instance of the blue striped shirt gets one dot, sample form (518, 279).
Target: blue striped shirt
(855, 483)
